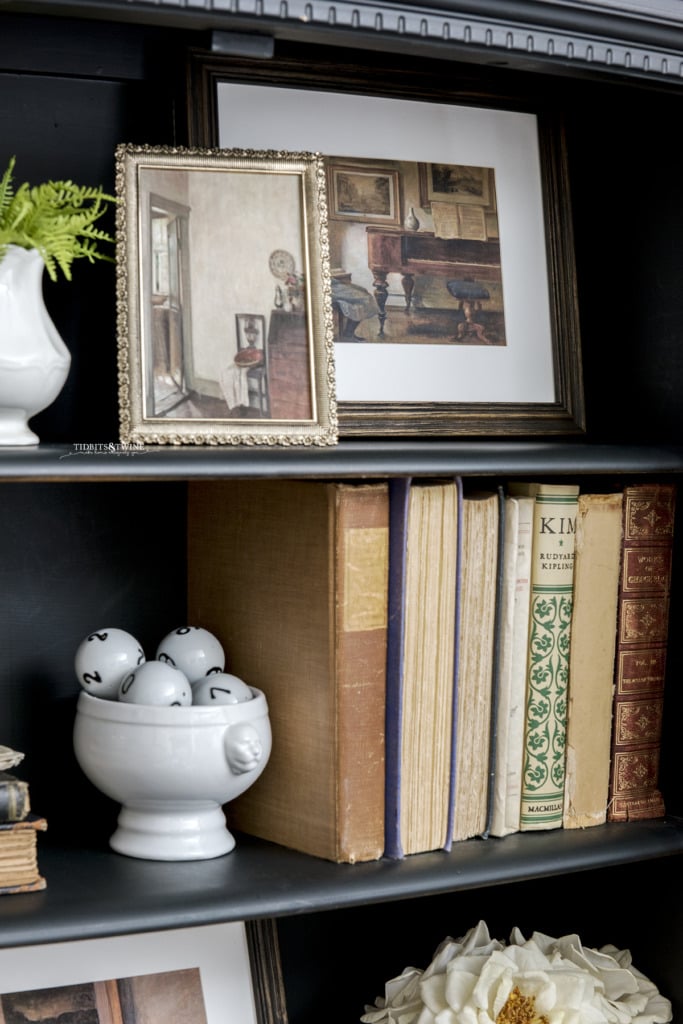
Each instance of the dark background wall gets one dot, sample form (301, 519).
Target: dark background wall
(76, 557)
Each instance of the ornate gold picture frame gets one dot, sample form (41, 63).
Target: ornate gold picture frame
(203, 236)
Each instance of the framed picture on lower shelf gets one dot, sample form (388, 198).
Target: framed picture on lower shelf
(212, 974)
(451, 246)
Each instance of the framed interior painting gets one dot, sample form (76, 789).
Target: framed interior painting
(450, 237)
(361, 192)
(224, 303)
(203, 975)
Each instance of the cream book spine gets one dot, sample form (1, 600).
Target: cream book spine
(591, 658)
(507, 780)
(421, 652)
(474, 696)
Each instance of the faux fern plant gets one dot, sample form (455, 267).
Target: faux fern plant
(58, 218)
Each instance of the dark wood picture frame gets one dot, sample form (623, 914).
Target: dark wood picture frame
(298, 67)
(266, 971)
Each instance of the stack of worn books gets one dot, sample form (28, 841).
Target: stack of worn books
(19, 829)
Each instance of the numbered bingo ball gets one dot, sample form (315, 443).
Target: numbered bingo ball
(103, 658)
(220, 688)
(192, 649)
(156, 683)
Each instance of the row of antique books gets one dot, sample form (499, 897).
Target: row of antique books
(440, 663)
(19, 829)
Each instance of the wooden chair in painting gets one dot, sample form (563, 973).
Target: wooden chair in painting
(252, 357)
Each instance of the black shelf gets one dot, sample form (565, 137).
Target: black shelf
(347, 459)
(92, 893)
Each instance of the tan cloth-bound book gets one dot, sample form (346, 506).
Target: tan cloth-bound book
(292, 577)
(642, 638)
(474, 700)
(19, 855)
(423, 584)
(597, 558)
(514, 641)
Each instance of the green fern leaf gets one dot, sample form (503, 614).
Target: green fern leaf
(58, 218)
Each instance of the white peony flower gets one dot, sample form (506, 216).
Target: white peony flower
(542, 980)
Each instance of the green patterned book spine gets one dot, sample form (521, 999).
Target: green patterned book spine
(550, 612)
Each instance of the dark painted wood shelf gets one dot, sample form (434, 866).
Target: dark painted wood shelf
(347, 459)
(92, 892)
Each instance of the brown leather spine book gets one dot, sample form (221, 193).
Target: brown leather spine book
(642, 635)
(292, 577)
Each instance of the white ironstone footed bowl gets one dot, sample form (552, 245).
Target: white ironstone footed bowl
(172, 769)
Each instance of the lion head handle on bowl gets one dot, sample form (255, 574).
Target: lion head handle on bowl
(243, 748)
